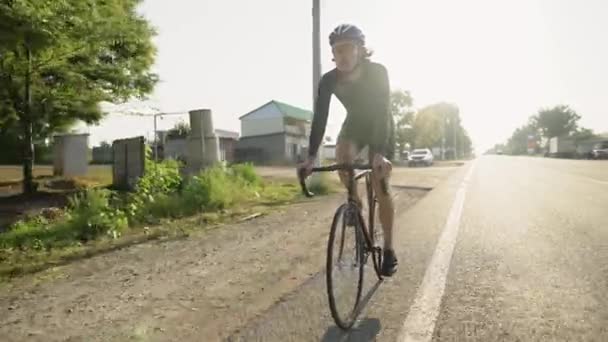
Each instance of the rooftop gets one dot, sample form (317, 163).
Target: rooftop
(287, 110)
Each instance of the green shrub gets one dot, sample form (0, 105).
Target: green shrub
(172, 206)
(212, 189)
(88, 217)
(160, 178)
(25, 233)
(159, 181)
(91, 216)
(218, 188)
(247, 173)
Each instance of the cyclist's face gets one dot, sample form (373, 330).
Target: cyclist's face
(346, 55)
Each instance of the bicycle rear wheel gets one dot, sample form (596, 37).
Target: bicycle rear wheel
(345, 265)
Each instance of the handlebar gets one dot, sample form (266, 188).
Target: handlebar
(335, 167)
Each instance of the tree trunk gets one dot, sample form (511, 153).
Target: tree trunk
(28, 143)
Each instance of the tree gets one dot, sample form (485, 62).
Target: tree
(435, 122)
(557, 121)
(467, 144)
(401, 110)
(60, 59)
(518, 142)
(427, 127)
(179, 131)
(583, 134)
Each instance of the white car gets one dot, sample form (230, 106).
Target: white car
(600, 150)
(422, 156)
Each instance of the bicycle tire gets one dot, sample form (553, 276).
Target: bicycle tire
(345, 322)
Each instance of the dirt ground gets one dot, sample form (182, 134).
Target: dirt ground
(197, 289)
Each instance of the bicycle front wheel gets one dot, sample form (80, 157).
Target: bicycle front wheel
(345, 265)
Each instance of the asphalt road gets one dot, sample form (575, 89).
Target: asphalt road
(505, 249)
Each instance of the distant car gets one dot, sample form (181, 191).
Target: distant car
(600, 151)
(422, 156)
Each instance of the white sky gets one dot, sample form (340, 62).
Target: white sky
(499, 61)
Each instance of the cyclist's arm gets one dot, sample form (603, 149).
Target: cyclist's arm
(382, 130)
(319, 121)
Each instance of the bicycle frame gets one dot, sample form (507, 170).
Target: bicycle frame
(368, 229)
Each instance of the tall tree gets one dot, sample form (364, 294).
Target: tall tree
(518, 142)
(435, 122)
(427, 127)
(403, 114)
(179, 131)
(60, 59)
(557, 121)
(583, 134)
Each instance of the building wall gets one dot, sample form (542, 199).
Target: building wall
(265, 120)
(175, 149)
(294, 146)
(251, 126)
(261, 149)
(227, 146)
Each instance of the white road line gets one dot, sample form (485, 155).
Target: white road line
(598, 181)
(420, 322)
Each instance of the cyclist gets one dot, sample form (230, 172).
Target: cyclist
(362, 86)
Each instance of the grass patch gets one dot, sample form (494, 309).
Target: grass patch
(97, 175)
(163, 206)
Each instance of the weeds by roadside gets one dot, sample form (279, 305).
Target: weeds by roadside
(101, 219)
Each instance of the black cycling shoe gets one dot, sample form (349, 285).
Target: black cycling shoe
(389, 263)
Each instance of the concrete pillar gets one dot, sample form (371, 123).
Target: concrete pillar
(196, 142)
(71, 155)
(203, 144)
(212, 143)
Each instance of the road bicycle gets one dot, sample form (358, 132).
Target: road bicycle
(362, 242)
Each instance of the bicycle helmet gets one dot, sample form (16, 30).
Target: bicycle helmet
(346, 32)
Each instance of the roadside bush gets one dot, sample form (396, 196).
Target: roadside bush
(165, 206)
(160, 181)
(25, 233)
(212, 189)
(247, 173)
(217, 188)
(91, 216)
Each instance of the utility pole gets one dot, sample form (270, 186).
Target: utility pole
(455, 139)
(155, 139)
(444, 121)
(316, 62)
(316, 47)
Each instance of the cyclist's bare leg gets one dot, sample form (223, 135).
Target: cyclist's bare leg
(346, 152)
(387, 215)
(386, 208)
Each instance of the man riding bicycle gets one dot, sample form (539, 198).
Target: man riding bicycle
(362, 87)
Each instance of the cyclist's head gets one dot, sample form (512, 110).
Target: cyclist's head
(348, 47)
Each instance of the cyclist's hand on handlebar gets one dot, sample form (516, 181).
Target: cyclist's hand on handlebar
(382, 165)
(306, 166)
